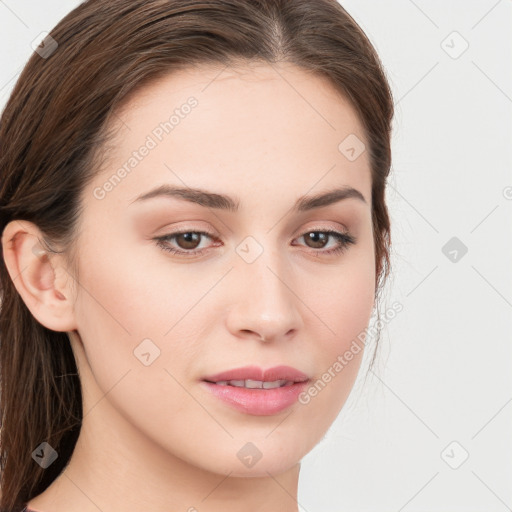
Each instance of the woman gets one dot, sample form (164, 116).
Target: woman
(194, 235)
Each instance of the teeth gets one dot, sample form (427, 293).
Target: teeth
(255, 384)
(237, 383)
(275, 384)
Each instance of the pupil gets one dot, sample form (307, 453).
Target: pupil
(315, 235)
(189, 239)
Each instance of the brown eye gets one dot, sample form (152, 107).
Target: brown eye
(183, 243)
(188, 240)
(318, 239)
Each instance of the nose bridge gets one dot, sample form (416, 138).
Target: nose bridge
(266, 276)
(264, 298)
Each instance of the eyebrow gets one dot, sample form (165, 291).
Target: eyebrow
(223, 202)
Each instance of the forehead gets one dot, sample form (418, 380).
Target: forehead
(260, 126)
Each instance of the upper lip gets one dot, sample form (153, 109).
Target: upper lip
(256, 373)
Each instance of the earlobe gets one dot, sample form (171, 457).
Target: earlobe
(33, 271)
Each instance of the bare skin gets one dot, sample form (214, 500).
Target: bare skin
(153, 438)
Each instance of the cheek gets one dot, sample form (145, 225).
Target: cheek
(133, 309)
(344, 305)
(124, 311)
(130, 293)
(345, 298)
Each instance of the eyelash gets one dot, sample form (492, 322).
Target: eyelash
(344, 241)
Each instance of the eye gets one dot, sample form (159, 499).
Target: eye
(189, 241)
(343, 240)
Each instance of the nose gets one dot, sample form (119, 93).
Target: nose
(265, 304)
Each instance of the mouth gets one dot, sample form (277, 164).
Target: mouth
(254, 384)
(254, 391)
(254, 377)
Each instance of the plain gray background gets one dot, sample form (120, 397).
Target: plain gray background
(431, 430)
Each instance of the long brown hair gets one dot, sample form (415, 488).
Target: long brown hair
(51, 135)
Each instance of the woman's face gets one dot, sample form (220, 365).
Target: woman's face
(258, 142)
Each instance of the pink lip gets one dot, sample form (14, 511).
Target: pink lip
(261, 402)
(256, 373)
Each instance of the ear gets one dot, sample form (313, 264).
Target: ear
(40, 277)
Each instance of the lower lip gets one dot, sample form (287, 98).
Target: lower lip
(261, 402)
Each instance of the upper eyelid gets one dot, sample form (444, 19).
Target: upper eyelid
(328, 230)
(213, 233)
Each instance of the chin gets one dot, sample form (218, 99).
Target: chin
(259, 458)
(262, 469)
